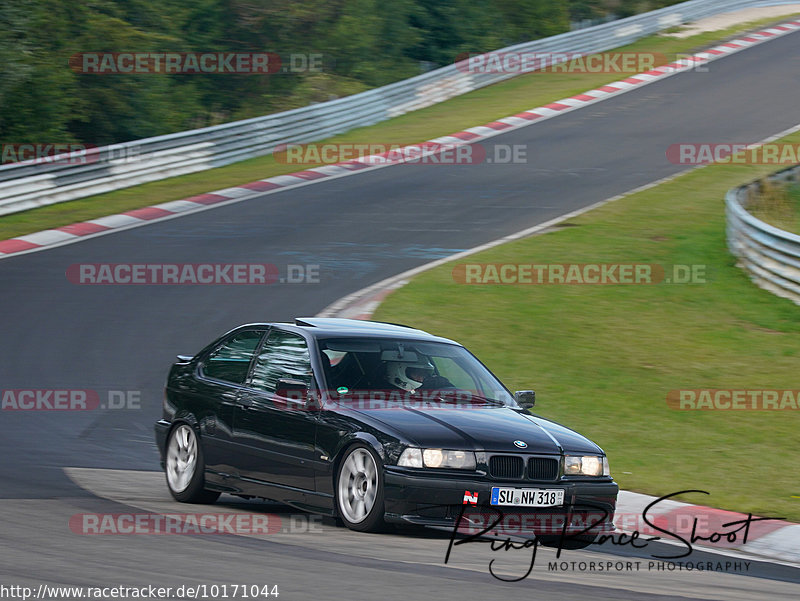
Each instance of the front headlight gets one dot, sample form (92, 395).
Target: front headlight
(586, 465)
(456, 460)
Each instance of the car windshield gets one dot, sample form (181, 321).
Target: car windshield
(414, 369)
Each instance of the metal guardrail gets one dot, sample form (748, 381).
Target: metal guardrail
(770, 255)
(25, 186)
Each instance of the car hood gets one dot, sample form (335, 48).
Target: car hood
(491, 429)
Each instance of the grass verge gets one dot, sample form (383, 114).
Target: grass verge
(778, 205)
(478, 107)
(603, 358)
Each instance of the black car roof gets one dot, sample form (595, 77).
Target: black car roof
(327, 327)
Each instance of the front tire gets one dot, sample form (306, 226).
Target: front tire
(185, 467)
(359, 490)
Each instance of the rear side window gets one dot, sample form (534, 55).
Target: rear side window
(231, 361)
(284, 356)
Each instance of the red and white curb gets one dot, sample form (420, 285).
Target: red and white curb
(773, 539)
(138, 217)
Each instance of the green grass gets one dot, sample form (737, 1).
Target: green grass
(779, 206)
(603, 358)
(482, 106)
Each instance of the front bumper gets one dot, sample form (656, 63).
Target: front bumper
(434, 500)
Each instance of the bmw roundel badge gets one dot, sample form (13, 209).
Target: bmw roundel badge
(520, 444)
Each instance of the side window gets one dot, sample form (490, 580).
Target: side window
(231, 361)
(334, 356)
(285, 355)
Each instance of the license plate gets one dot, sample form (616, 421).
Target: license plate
(527, 497)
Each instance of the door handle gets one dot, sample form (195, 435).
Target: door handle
(244, 403)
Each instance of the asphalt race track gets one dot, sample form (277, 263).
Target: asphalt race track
(359, 230)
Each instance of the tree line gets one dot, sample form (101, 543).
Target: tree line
(333, 48)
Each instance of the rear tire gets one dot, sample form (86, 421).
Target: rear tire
(359, 490)
(185, 468)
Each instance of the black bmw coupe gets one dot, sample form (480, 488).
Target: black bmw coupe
(374, 423)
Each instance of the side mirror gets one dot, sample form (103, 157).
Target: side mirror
(525, 398)
(294, 390)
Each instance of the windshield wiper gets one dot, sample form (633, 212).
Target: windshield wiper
(496, 402)
(457, 399)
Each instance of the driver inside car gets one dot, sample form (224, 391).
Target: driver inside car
(419, 375)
